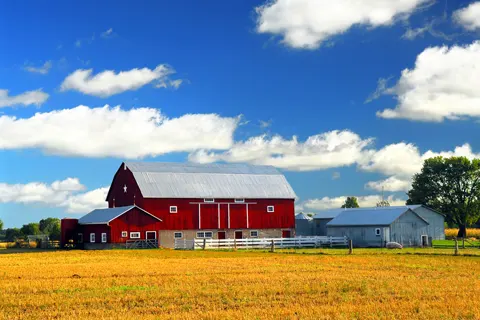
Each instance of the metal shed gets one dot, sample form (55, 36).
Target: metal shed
(374, 227)
(321, 219)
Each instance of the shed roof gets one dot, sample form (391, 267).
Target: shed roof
(104, 216)
(302, 216)
(328, 214)
(377, 216)
(189, 180)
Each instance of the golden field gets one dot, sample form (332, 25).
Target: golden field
(164, 284)
(471, 233)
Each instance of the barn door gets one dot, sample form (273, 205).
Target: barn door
(221, 235)
(151, 235)
(286, 234)
(238, 235)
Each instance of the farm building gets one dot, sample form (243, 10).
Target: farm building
(373, 227)
(321, 219)
(303, 225)
(171, 201)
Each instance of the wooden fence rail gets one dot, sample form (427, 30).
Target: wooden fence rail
(261, 243)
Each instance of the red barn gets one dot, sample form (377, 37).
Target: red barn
(187, 201)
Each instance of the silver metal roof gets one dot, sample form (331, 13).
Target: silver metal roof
(328, 214)
(104, 216)
(302, 216)
(187, 180)
(377, 216)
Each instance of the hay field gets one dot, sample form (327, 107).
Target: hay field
(163, 284)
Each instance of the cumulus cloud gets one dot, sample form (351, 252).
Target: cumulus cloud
(468, 17)
(62, 193)
(108, 83)
(390, 184)
(443, 85)
(114, 132)
(326, 203)
(308, 23)
(42, 69)
(322, 151)
(35, 97)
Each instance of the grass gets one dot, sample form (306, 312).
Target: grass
(451, 243)
(471, 233)
(305, 284)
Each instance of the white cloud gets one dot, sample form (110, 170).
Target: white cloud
(175, 84)
(443, 85)
(322, 151)
(108, 83)
(469, 17)
(62, 194)
(108, 33)
(113, 132)
(308, 23)
(35, 97)
(391, 184)
(326, 203)
(42, 69)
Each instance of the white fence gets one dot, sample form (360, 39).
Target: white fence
(261, 243)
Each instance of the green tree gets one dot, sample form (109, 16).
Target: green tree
(30, 229)
(451, 186)
(351, 202)
(50, 227)
(1, 224)
(12, 234)
(383, 203)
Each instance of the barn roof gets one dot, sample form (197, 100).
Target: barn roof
(104, 216)
(189, 180)
(376, 216)
(328, 214)
(302, 216)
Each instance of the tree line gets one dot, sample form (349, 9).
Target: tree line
(450, 186)
(48, 226)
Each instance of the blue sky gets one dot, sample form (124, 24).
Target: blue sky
(232, 81)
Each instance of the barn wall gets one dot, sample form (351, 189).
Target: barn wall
(361, 236)
(68, 229)
(320, 226)
(436, 227)
(124, 178)
(98, 229)
(167, 236)
(134, 220)
(408, 229)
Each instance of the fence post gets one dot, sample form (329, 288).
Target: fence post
(204, 243)
(456, 247)
(272, 249)
(350, 246)
(235, 244)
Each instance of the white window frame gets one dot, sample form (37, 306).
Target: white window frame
(378, 232)
(203, 235)
(135, 233)
(173, 209)
(178, 233)
(209, 200)
(92, 237)
(239, 200)
(104, 237)
(270, 209)
(253, 236)
(124, 234)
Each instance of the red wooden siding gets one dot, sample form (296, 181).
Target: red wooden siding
(98, 229)
(124, 178)
(134, 220)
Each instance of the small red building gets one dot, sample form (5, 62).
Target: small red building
(187, 201)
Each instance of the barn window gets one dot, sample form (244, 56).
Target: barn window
(377, 232)
(135, 235)
(124, 234)
(173, 209)
(209, 200)
(104, 237)
(178, 235)
(254, 233)
(270, 209)
(205, 235)
(80, 238)
(92, 237)
(239, 200)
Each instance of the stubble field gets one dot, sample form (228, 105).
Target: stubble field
(158, 284)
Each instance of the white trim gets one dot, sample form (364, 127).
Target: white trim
(124, 234)
(209, 200)
(178, 232)
(199, 218)
(251, 233)
(378, 232)
(272, 209)
(204, 234)
(219, 216)
(131, 207)
(92, 239)
(239, 200)
(104, 237)
(173, 209)
(247, 215)
(146, 234)
(226, 202)
(135, 233)
(229, 216)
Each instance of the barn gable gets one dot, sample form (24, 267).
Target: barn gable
(104, 216)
